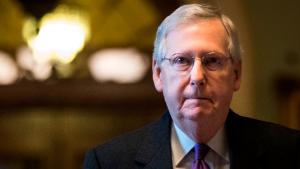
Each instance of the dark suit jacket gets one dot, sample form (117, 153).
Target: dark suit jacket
(253, 144)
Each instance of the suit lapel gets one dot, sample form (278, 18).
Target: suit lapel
(155, 150)
(246, 148)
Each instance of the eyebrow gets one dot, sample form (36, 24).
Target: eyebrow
(183, 53)
(196, 53)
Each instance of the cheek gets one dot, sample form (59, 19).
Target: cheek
(223, 86)
(173, 87)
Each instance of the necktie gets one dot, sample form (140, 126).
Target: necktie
(200, 152)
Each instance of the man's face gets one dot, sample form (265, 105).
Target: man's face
(198, 95)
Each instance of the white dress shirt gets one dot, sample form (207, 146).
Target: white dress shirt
(182, 154)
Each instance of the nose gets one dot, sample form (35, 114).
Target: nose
(197, 74)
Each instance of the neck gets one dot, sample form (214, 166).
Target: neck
(200, 131)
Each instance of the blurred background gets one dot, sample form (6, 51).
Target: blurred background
(75, 73)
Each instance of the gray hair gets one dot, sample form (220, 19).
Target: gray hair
(191, 12)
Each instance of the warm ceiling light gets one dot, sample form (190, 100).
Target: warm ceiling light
(39, 70)
(8, 69)
(61, 35)
(118, 65)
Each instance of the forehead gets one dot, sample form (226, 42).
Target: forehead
(205, 35)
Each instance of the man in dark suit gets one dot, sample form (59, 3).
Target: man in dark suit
(197, 67)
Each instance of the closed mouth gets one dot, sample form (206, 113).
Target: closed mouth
(201, 98)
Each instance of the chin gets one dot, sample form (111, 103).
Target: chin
(197, 113)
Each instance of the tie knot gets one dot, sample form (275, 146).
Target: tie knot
(200, 151)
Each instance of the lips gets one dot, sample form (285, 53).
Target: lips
(199, 100)
(203, 98)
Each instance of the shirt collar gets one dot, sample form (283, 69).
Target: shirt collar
(218, 143)
(182, 144)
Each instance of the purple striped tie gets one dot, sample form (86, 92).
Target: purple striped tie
(200, 152)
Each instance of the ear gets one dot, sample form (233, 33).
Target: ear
(156, 75)
(238, 75)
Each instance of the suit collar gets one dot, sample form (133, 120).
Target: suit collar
(155, 149)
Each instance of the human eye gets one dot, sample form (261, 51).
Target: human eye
(182, 60)
(213, 61)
